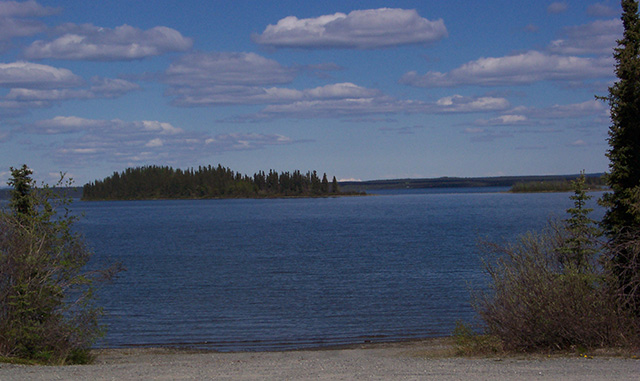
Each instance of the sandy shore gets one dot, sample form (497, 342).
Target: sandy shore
(417, 360)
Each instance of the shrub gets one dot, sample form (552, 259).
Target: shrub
(550, 290)
(47, 310)
(469, 343)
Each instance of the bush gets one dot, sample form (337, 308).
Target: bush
(550, 290)
(469, 343)
(47, 310)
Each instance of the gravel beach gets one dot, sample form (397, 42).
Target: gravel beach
(416, 360)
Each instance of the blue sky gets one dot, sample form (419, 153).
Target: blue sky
(360, 89)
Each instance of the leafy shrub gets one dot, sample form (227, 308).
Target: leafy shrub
(47, 310)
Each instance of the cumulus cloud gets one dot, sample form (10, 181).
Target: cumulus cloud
(573, 110)
(382, 104)
(598, 37)
(28, 8)
(209, 79)
(89, 42)
(212, 79)
(139, 142)
(360, 29)
(100, 88)
(505, 120)
(459, 103)
(241, 69)
(557, 7)
(523, 68)
(19, 19)
(35, 76)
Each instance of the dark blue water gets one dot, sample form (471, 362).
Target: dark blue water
(294, 273)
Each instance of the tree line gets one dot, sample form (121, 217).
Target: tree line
(591, 183)
(163, 182)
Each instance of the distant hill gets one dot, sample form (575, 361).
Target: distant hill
(454, 182)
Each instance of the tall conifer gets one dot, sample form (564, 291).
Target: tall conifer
(622, 219)
(623, 202)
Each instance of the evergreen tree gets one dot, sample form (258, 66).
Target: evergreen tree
(46, 294)
(334, 186)
(582, 232)
(22, 202)
(624, 135)
(324, 188)
(622, 219)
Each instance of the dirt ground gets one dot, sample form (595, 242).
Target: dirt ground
(432, 359)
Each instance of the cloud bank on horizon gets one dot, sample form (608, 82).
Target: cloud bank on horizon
(418, 90)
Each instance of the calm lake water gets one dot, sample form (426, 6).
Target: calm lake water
(294, 273)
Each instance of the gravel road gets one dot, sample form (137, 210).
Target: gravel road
(419, 360)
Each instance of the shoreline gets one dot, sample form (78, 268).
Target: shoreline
(415, 359)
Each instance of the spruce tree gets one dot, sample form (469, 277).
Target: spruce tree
(582, 232)
(622, 219)
(623, 202)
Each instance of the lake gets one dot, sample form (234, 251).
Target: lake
(245, 274)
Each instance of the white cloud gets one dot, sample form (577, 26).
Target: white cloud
(157, 142)
(459, 103)
(209, 79)
(524, 68)
(35, 76)
(203, 79)
(598, 37)
(65, 125)
(139, 142)
(88, 42)
(17, 18)
(28, 8)
(578, 143)
(557, 7)
(381, 104)
(101, 88)
(574, 110)
(601, 10)
(360, 29)
(111, 88)
(505, 120)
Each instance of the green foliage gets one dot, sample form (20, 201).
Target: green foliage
(541, 186)
(582, 232)
(470, 343)
(591, 182)
(622, 219)
(549, 290)
(152, 182)
(624, 134)
(47, 312)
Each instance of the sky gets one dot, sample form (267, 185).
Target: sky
(360, 90)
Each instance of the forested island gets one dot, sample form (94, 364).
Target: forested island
(541, 183)
(162, 182)
(592, 182)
